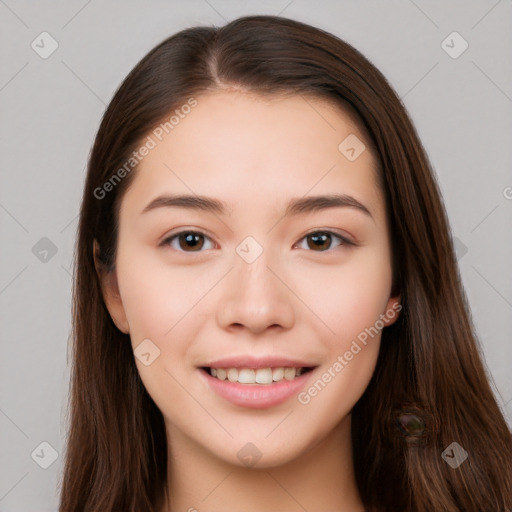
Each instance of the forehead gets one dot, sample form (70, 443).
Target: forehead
(234, 145)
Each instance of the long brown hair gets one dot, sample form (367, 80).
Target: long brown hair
(429, 368)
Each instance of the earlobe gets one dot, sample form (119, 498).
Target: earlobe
(110, 291)
(392, 312)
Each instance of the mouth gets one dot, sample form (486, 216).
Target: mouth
(261, 387)
(257, 376)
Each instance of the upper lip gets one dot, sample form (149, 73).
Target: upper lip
(258, 362)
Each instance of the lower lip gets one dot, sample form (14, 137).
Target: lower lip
(256, 396)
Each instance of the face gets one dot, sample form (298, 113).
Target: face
(252, 284)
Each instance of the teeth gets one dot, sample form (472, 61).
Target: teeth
(289, 373)
(246, 376)
(263, 376)
(232, 374)
(277, 374)
(256, 376)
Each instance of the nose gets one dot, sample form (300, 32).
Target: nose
(255, 297)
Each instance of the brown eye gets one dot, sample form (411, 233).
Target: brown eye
(191, 240)
(188, 241)
(321, 241)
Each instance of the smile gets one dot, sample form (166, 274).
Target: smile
(256, 388)
(259, 376)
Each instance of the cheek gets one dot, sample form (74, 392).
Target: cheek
(350, 304)
(160, 303)
(156, 297)
(350, 297)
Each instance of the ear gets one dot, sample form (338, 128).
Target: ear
(110, 291)
(392, 312)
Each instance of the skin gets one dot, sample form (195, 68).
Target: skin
(296, 299)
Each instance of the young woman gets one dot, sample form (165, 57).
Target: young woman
(268, 313)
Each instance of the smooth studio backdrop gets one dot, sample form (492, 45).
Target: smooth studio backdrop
(61, 62)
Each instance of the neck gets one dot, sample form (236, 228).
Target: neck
(321, 479)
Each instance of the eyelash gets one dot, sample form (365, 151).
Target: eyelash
(344, 241)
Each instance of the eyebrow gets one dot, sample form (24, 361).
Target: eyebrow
(296, 206)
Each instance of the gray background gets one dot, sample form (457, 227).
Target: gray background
(51, 109)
